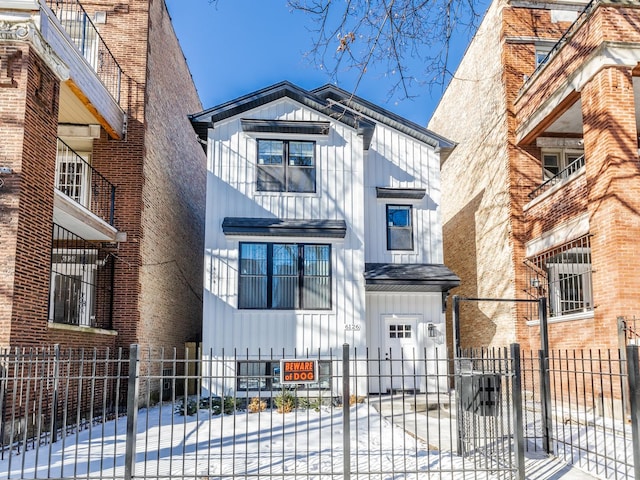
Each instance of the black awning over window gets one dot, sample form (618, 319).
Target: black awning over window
(285, 126)
(410, 193)
(422, 277)
(284, 227)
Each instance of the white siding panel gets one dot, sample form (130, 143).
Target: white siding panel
(398, 161)
(339, 196)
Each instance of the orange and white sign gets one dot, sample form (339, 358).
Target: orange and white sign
(298, 371)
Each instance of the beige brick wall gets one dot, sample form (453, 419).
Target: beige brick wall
(475, 186)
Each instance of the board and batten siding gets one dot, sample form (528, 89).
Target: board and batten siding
(398, 161)
(231, 193)
(424, 308)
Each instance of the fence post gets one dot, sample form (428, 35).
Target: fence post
(456, 325)
(54, 396)
(346, 414)
(634, 397)
(132, 411)
(545, 381)
(622, 347)
(516, 395)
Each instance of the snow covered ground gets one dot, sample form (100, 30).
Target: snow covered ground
(305, 443)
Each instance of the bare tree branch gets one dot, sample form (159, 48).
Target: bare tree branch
(392, 35)
(388, 36)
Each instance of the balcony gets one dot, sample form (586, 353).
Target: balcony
(85, 200)
(85, 37)
(562, 175)
(91, 80)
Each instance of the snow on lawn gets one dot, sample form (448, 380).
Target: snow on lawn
(302, 442)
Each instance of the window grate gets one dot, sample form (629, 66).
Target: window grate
(563, 276)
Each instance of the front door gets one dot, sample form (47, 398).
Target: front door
(401, 365)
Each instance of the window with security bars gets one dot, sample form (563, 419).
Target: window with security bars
(563, 275)
(284, 276)
(81, 281)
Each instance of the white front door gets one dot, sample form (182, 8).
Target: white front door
(401, 366)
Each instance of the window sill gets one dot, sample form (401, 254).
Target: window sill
(81, 329)
(564, 318)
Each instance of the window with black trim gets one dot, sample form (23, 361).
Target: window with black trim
(286, 166)
(265, 375)
(284, 276)
(399, 227)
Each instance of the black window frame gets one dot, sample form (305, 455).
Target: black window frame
(287, 169)
(391, 228)
(270, 380)
(301, 276)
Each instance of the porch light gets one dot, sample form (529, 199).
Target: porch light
(432, 331)
(535, 282)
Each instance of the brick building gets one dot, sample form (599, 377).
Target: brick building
(102, 180)
(540, 195)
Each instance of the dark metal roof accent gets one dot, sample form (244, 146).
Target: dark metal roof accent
(379, 114)
(416, 277)
(410, 193)
(268, 95)
(285, 126)
(284, 227)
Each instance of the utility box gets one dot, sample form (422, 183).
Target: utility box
(480, 393)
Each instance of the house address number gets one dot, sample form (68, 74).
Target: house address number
(352, 327)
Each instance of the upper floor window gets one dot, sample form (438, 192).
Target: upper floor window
(555, 161)
(399, 227)
(284, 276)
(542, 53)
(286, 166)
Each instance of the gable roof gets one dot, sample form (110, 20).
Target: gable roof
(337, 96)
(328, 100)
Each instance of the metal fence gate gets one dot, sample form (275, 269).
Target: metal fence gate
(154, 414)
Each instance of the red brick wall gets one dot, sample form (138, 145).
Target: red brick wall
(173, 195)
(610, 138)
(607, 23)
(13, 90)
(34, 103)
(159, 173)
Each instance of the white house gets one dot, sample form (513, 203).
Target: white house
(322, 228)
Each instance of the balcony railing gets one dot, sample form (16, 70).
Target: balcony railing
(582, 16)
(568, 171)
(85, 36)
(78, 180)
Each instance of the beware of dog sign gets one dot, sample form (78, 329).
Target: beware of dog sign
(298, 371)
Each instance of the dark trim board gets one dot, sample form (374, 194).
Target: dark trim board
(284, 227)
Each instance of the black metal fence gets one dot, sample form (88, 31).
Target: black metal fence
(356, 413)
(362, 414)
(587, 424)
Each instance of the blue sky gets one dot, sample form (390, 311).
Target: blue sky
(239, 46)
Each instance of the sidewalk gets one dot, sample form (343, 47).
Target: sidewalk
(427, 418)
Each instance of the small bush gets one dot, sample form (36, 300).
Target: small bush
(285, 402)
(310, 403)
(256, 405)
(229, 405)
(353, 400)
(191, 407)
